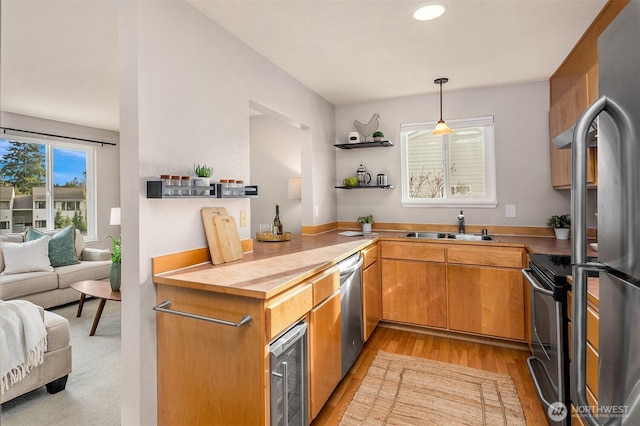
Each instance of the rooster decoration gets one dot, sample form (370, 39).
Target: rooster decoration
(367, 130)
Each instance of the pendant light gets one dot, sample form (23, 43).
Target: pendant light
(441, 128)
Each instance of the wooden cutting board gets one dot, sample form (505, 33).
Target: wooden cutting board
(230, 245)
(215, 249)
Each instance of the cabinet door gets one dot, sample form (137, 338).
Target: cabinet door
(324, 352)
(487, 301)
(414, 292)
(372, 295)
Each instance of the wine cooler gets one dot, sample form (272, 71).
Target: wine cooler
(288, 362)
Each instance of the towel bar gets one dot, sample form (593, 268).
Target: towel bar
(164, 307)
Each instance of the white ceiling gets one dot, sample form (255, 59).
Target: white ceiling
(60, 57)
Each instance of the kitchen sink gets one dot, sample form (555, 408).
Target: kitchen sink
(471, 237)
(444, 235)
(427, 235)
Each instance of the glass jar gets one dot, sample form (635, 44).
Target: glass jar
(166, 184)
(239, 189)
(225, 190)
(175, 185)
(185, 185)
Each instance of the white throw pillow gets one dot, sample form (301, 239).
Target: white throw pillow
(32, 256)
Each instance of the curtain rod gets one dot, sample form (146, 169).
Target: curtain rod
(4, 130)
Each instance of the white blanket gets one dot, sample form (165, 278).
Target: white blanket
(23, 341)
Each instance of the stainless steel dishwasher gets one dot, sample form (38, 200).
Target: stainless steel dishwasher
(351, 324)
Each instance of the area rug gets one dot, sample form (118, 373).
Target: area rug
(404, 390)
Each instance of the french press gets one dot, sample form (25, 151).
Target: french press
(364, 178)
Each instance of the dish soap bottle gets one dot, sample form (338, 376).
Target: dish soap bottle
(277, 224)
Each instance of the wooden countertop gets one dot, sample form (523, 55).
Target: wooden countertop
(274, 267)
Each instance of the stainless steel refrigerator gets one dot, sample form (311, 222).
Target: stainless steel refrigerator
(618, 227)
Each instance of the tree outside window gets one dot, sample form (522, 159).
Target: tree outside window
(23, 169)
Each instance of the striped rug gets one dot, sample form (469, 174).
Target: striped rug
(405, 390)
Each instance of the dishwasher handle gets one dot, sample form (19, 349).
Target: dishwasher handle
(350, 268)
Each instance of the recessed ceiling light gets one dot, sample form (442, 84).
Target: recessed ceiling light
(429, 11)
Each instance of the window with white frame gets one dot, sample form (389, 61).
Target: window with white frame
(53, 184)
(457, 169)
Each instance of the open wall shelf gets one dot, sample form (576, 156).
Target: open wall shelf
(363, 144)
(366, 187)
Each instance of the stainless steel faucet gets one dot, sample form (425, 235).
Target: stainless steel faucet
(461, 223)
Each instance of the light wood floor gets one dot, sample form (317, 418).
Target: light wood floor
(455, 351)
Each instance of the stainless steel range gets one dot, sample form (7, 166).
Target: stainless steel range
(549, 365)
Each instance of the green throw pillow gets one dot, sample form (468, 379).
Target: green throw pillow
(62, 249)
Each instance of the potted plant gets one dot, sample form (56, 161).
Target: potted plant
(116, 257)
(366, 222)
(203, 177)
(561, 225)
(378, 136)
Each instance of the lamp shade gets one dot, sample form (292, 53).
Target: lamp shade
(115, 216)
(441, 129)
(294, 188)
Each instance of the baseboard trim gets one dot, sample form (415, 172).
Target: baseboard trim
(522, 346)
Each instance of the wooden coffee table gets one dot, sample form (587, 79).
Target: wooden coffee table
(100, 289)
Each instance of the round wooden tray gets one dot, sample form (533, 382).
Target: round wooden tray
(286, 236)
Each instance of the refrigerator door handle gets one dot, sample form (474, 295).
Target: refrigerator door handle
(579, 239)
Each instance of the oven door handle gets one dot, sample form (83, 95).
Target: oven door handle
(534, 283)
(547, 404)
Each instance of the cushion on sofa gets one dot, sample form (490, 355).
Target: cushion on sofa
(31, 256)
(98, 270)
(62, 245)
(12, 238)
(20, 285)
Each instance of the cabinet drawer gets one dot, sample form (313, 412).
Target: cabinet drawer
(593, 319)
(486, 256)
(370, 255)
(287, 309)
(324, 284)
(413, 251)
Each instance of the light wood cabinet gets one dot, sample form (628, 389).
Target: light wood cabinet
(563, 114)
(592, 345)
(488, 301)
(572, 88)
(287, 309)
(414, 292)
(210, 373)
(324, 352)
(371, 290)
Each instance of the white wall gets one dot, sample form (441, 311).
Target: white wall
(522, 155)
(185, 90)
(107, 163)
(275, 157)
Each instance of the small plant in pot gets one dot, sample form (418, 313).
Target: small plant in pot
(561, 225)
(378, 136)
(203, 177)
(366, 222)
(116, 258)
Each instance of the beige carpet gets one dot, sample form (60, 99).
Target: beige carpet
(404, 390)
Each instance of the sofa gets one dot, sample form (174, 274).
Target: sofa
(55, 369)
(30, 276)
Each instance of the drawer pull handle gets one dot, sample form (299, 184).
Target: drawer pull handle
(164, 307)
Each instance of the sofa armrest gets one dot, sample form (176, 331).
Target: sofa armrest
(93, 254)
